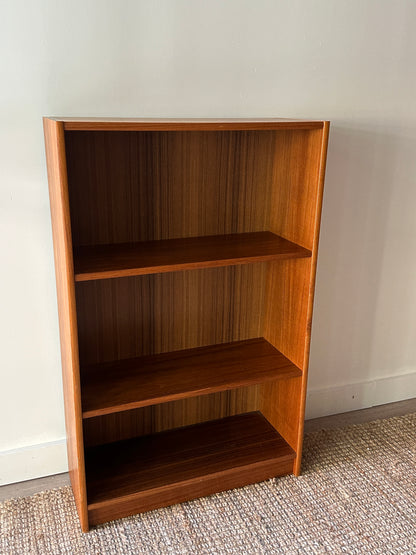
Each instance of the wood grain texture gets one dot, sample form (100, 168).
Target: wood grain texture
(281, 405)
(167, 416)
(146, 315)
(188, 490)
(172, 255)
(191, 124)
(290, 287)
(295, 190)
(146, 186)
(286, 311)
(174, 466)
(65, 285)
(139, 382)
(323, 137)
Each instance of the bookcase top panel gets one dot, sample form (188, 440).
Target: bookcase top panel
(183, 124)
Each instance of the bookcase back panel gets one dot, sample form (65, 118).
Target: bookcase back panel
(134, 316)
(139, 186)
(148, 420)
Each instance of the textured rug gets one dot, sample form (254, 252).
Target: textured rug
(357, 494)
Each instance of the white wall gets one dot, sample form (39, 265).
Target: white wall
(350, 61)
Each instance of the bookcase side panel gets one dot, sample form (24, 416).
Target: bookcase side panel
(286, 327)
(296, 212)
(323, 148)
(65, 285)
(295, 188)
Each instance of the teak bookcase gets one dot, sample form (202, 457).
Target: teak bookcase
(185, 254)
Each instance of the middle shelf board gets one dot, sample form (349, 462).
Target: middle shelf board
(190, 253)
(138, 382)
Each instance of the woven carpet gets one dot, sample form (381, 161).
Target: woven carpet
(357, 494)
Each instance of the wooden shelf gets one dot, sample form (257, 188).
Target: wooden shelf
(181, 464)
(139, 382)
(171, 255)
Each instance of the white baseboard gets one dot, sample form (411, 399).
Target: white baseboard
(360, 395)
(34, 461)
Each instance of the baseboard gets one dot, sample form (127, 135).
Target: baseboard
(34, 461)
(360, 395)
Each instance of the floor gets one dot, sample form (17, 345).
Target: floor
(23, 489)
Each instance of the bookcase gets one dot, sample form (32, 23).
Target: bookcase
(185, 255)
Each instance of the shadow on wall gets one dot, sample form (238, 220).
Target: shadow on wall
(364, 324)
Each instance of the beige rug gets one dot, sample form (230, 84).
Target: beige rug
(357, 495)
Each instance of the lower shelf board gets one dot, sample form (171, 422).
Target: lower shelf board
(139, 382)
(171, 467)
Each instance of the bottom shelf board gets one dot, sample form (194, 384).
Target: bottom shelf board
(171, 467)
